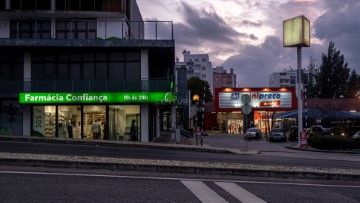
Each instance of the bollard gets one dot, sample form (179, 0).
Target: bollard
(201, 141)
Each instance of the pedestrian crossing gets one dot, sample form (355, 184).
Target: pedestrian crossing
(207, 195)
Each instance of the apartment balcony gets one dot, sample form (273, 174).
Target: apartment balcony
(11, 87)
(86, 33)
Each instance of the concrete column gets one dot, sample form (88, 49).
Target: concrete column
(7, 5)
(26, 120)
(27, 88)
(53, 28)
(173, 122)
(53, 5)
(27, 71)
(144, 110)
(157, 122)
(144, 107)
(144, 63)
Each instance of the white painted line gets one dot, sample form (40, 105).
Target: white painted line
(203, 192)
(240, 193)
(180, 179)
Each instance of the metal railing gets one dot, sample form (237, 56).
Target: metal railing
(70, 29)
(57, 85)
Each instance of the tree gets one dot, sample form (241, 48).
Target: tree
(353, 85)
(333, 74)
(311, 85)
(196, 86)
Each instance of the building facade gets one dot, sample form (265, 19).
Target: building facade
(234, 115)
(68, 64)
(222, 78)
(197, 65)
(287, 78)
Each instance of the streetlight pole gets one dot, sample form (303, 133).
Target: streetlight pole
(299, 92)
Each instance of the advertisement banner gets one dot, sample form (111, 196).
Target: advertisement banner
(123, 97)
(259, 99)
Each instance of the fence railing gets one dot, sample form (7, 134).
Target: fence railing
(48, 85)
(100, 29)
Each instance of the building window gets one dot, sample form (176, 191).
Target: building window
(72, 29)
(30, 29)
(203, 76)
(203, 60)
(196, 60)
(203, 68)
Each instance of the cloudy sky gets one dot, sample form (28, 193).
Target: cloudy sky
(246, 35)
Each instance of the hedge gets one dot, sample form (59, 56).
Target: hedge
(331, 142)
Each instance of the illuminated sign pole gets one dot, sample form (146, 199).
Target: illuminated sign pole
(297, 34)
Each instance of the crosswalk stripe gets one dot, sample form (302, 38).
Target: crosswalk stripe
(203, 192)
(240, 193)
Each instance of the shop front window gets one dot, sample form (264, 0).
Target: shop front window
(44, 121)
(120, 120)
(235, 126)
(94, 122)
(69, 119)
(10, 118)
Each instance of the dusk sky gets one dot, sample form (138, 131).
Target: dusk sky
(246, 35)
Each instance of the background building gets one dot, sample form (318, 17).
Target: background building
(68, 63)
(222, 78)
(286, 78)
(198, 65)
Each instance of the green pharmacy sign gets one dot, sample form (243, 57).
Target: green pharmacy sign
(123, 97)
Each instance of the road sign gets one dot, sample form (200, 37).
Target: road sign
(246, 99)
(246, 109)
(303, 141)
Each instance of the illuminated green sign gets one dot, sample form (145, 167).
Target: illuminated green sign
(124, 97)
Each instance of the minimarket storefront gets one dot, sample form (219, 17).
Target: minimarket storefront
(264, 103)
(71, 115)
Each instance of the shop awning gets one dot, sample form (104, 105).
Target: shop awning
(317, 113)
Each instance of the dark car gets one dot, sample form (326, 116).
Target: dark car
(318, 130)
(277, 134)
(293, 134)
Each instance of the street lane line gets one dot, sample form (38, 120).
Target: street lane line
(203, 192)
(240, 193)
(180, 179)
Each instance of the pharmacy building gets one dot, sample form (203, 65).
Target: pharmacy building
(84, 70)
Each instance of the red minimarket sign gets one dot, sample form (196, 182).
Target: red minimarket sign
(262, 99)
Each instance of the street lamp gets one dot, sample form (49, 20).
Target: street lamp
(196, 99)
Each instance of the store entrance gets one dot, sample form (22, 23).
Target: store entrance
(94, 121)
(120, 120)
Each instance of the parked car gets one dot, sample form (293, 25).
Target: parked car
(318, 130)
(277, 134)
(293, 134)
(356, 135)
(253, 133)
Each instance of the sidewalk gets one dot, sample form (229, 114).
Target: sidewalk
(172, 166)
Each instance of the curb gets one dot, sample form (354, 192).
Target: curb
(177, 169)
(124, 144)
(323, 151)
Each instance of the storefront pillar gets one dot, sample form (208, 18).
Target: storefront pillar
(157, 122)
(144, 109)
(26, 120)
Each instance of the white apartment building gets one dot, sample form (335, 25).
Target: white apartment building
(286, 78)
(197, 65)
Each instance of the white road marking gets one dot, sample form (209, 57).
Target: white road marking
(181, 179)
(203, 192)
(240, 193)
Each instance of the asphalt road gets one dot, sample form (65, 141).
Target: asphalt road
(161, 154)
(79, 186)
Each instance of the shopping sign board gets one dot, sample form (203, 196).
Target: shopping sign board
(259, 100)
(123, 97)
